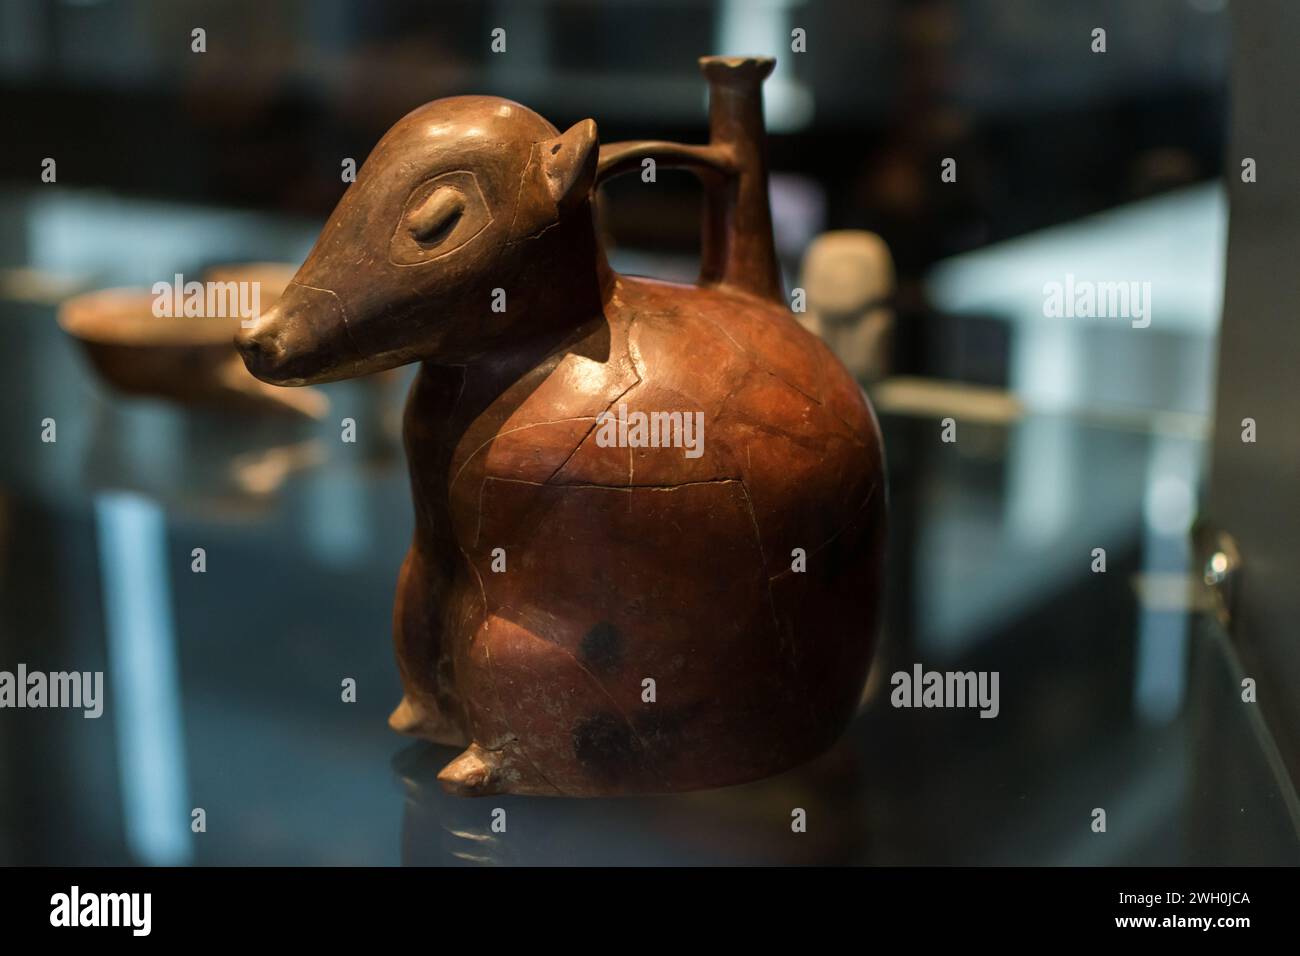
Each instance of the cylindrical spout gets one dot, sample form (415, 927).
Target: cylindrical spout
(738, 245)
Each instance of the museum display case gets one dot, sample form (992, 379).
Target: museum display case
(986, 555)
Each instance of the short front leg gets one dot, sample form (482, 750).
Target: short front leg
(427, 709)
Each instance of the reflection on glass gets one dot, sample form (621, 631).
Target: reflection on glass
(142, 672)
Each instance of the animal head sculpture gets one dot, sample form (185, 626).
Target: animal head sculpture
(448, 207)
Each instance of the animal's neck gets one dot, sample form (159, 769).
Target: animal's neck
(558, 301)
(557, 294)
(566, 280)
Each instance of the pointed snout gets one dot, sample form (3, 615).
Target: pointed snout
(259, 344)
(299, 340)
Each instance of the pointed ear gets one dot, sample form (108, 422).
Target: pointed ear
(569, 164)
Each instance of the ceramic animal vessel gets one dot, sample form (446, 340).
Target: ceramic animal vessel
(649, 518)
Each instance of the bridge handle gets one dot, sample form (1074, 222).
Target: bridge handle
(737, 250)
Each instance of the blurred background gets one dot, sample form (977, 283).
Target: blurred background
(1120, 689)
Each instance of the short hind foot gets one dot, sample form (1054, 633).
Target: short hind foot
(412, 719)
(479, 772)
(475, 773)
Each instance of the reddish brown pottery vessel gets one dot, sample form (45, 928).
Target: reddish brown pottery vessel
(585, 617)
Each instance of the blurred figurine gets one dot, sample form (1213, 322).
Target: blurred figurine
(848, 276)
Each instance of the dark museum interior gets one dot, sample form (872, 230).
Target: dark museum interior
(1067, 495)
